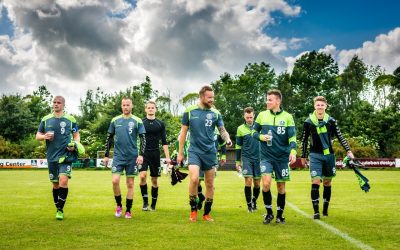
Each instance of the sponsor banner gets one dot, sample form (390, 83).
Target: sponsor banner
(100, 163)
(23, 163)
(367, 162)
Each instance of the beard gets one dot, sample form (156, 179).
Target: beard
(208, 105)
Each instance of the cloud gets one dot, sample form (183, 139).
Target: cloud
(383, 51)
(73, 45)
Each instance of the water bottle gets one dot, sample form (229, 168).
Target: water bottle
(269, 142)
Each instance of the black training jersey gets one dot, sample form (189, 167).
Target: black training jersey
(155, 131)
(309, 130)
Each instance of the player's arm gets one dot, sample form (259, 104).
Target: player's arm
(238, 149)
(224, 135)
(304, 142)
(40, 134)
(182, 138)
(256, 130)
(341, 139)
(291, 131)
(165, 143)
(75, 132)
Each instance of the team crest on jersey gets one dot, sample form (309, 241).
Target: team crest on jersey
(63, 124)
(282, 123)
(209, 116)
(131, 124)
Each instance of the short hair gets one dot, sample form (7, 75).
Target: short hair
(151, 102)
(248, 110)
(126, 98)
(275, 92)
(320, 98)
(204, 89)
(59, 97)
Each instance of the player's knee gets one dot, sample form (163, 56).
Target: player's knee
(115, 182)
(327, 182)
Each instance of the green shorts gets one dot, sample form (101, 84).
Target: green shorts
(204, 161)
(251, 168)
(280, 169)
(130, 168)
(322, 166)
(56, 169)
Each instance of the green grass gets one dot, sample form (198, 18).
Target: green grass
(27, 215)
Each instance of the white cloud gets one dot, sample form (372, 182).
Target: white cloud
(383, 51)
(74, 45)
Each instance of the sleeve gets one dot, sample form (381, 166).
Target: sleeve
(163, 134)
(304, 139)
(142, 138)
(141, 128)
(339, 135)
(238, 146)
(109, 141)
(292, 134)
(41, 128)
(185, 118)
(257, 128)
(111, 128)
(75, 127)
(220, 122)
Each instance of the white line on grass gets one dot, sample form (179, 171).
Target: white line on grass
(331, 228)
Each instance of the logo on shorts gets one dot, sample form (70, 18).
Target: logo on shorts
(209, 116)
(263, 168)
(282, 123)
(51, 176)
(114, 169)
(313, 173)
(244, 171)
(63, 124)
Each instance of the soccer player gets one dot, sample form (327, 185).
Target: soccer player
(125, 130)
(155, 131)
(248, 157)
(58, 129)
(321, 128)
(201, 120)
(276, 130)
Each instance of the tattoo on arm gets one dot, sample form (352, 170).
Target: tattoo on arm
(224, 133)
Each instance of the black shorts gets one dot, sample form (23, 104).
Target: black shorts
(151, 159)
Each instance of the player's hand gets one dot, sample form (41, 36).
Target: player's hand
(139, 160)
(238, 167)
(105, 161)
(179, 159)
(167, 160)
(350, 154)
(229, 143)
(303, 162)
(264, 138)
(292, 158)
(222, 162)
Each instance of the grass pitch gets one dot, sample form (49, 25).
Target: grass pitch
(27, 215)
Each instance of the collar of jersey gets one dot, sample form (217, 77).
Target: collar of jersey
(54, 115)
(276, 113)
(126, 117)
(198, 105)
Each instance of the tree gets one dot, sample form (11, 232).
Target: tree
(190, 99)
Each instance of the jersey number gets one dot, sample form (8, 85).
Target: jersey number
(62, 130)
(281, 130)
(208, 123)
(130, 130)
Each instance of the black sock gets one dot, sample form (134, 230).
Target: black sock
(128, 204)
(154, 196)
(327, 198)
(247, 194)
(143, 190)
(200, 193)
(118, 200)
(280, 203)
(62, 198)
(256, 193)
(192, 202)
(268, 201)
(207, 206)
(56, 191)
(315, 197)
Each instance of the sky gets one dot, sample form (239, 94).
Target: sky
(72, 46)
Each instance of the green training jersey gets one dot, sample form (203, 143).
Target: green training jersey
(126, 132)
(246, 146)
(202, 124)
(283, 131)
(63, 128)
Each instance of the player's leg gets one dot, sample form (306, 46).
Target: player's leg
(64, 175)
(329, 172)
(266, 177)
(193, 185)
(116, 176)
(209, 176)
(131, 173)
(53, 176)
(155, 172)
(200, 194)
(282, 175)
(247, 172)
(316, 175)
(256, 181)
(143, 183)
